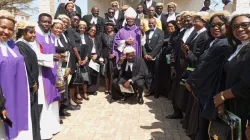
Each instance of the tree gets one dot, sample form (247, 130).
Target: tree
(19, 4)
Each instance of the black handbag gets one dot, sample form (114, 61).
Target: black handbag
(85, 74)
(222, 128)
(78, 80)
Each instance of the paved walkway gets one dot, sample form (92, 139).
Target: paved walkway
(99, 119)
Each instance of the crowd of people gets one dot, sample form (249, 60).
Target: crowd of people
(198, 60)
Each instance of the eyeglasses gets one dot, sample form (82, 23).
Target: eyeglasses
(243, 25)
(111, 12)
(218, 25)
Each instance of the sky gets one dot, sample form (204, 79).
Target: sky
(216, 5)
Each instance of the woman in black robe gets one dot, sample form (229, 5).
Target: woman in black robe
(109, 61)
(94, 54)
(25, 35)
(235, 97)
(165, 67)
(204, 82)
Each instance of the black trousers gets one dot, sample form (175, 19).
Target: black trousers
(116, 92)
(152, 77)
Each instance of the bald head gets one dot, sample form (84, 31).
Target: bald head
(95, 11)
(152, 23)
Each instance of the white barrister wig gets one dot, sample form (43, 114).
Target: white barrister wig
(238, 13)
(130, 13)
(57, 21)
(24, 24)
(221, 13)
(202, 15)
(128, 49)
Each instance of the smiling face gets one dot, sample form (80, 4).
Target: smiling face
(70, 7)
(57, 29)
(179, 22)
(109, 28)
(198, 23)
(6, 29)
(95, 11)
(187, 22)
(218, 28)
(130, 21)
(92, 31)
(30, 35)
(170, 28)
(45, 23)
(241, 28)
(82, 29)
(151, 12)
(66, 23)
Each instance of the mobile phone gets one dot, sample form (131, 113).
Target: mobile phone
(6, 120)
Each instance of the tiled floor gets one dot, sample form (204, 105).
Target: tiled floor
(99, 119)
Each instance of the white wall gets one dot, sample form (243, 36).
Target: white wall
(185, 5)
(102, 4)
(243, 5)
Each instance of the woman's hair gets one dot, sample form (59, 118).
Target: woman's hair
(7, 15)
(234, 42)
(222, 16)
(21, 32)
(90, 26)
(173, 22)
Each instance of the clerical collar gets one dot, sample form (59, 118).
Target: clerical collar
(46, 35)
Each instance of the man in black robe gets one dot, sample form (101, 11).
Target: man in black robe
(185, 37)
(111, 17)
(132, 71)
(151, 51)
(146, 4)
(61, 9)
(95, 19)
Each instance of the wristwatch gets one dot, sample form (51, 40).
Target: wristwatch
(222, 96)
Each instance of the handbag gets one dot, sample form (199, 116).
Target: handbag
(85, 74)
(78, 80)
(224, 127)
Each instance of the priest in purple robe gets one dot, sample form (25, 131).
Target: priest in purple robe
(48, 94)
(130, 35)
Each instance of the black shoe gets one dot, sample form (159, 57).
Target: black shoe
(123, 99)
(174, 116)
(61, 122)
(140, 100)
(106, 92)
(74, 107)
(77, 102)
(64, 113)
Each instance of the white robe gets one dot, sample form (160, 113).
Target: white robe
(49, 120)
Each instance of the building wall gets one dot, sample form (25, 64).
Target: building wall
(44, 6)
(242, 5)
(185, 5)
(103, 6)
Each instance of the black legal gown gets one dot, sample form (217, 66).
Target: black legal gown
(107, 49)
(31, 63)
(165, 81)
(238, 80)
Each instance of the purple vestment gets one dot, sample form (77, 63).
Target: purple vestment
(49, 74)
(124, 34)
(14, 82)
